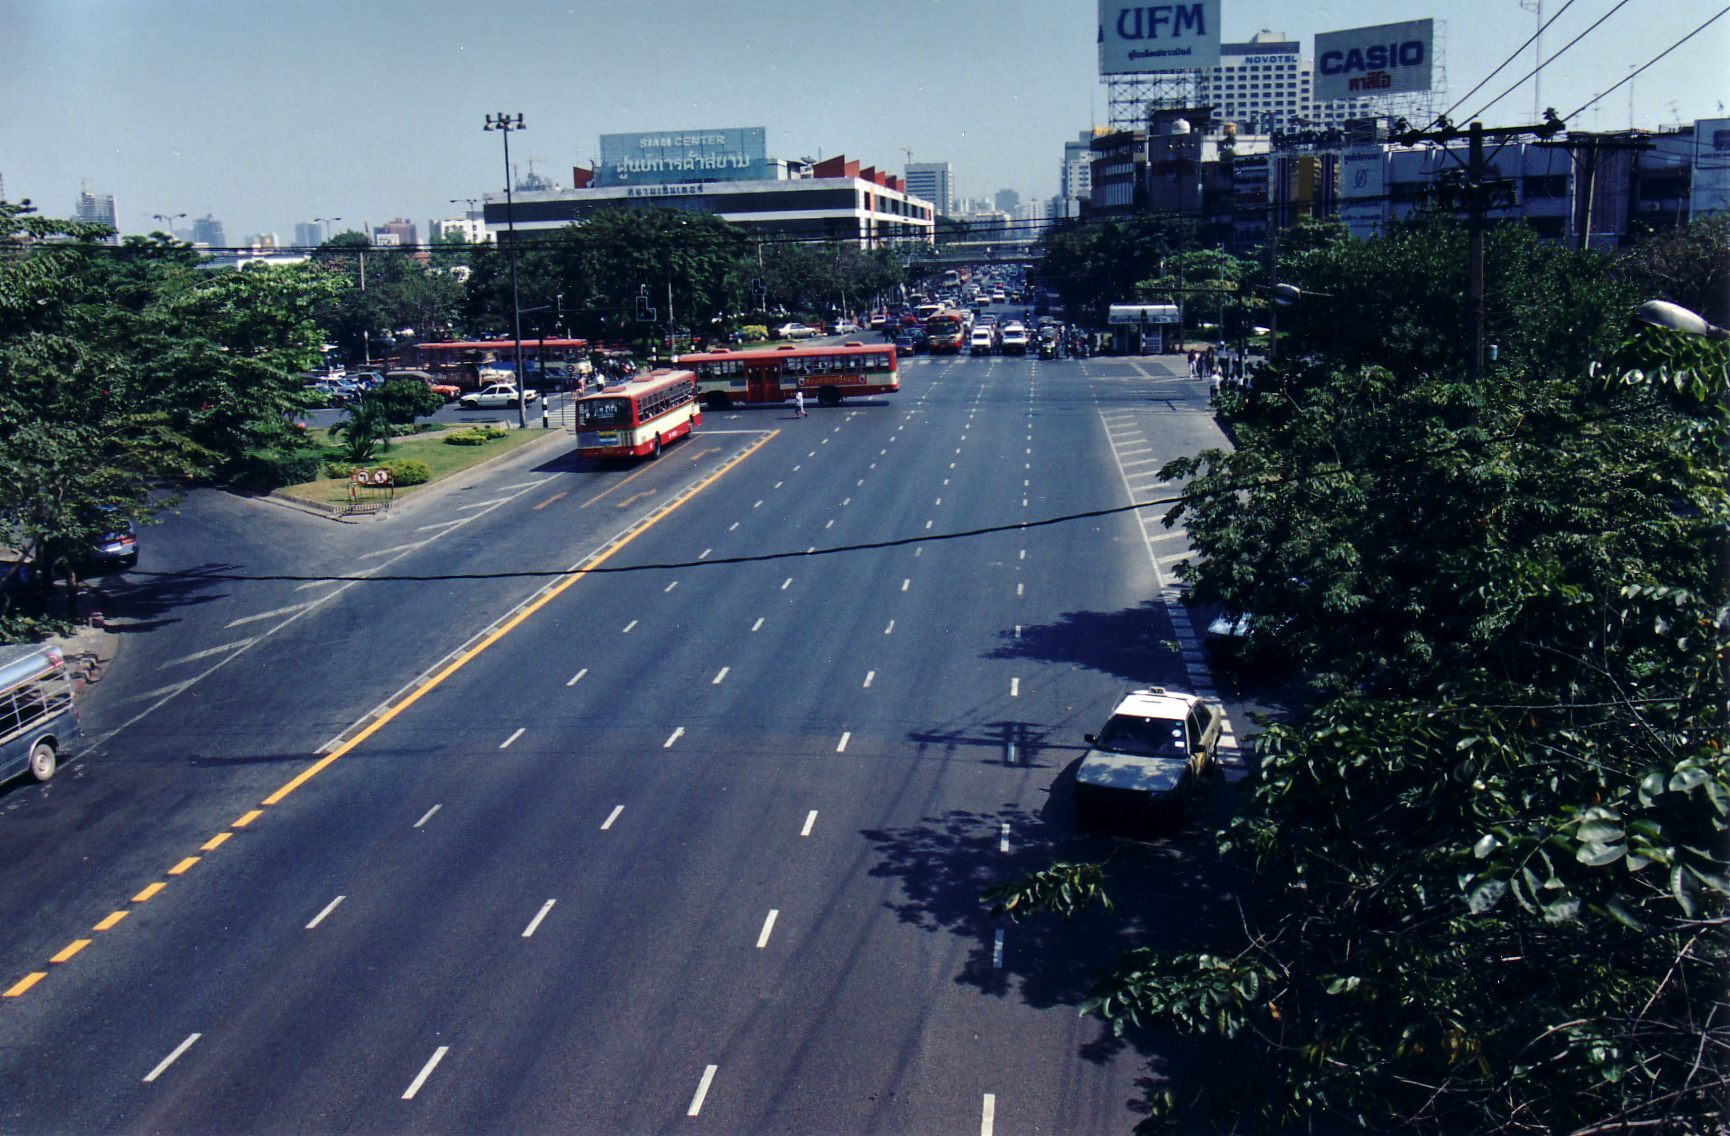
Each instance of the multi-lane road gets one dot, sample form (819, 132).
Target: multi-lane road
(613, 799)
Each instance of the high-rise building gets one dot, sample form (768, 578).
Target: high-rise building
(1007, 200)
(934, 182)
(309, 234)
(1075, 177)
(98, 208)
(1266, 85)
(207, 230)
(470, 228)
(399, 232)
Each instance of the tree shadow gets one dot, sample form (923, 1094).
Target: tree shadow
(1133, 644)
(1169, 892)
(1005, 742)
(144, 601)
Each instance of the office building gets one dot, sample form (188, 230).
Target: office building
(1075, 176)
(470, 228)
(398, 233)
(207, 230)
(933, 182)
(98, 209)
(1007, 201)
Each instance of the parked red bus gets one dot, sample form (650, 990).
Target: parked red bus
(638, 417)
(832, 373)
(551, 364)
(946, 333)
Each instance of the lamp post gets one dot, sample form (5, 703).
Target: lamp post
(168, 220)
(324, 224)
(504, 124)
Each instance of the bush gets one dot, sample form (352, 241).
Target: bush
(474, 435)
(270, 468)
(339, 470)
(407, 471)
(754, 333)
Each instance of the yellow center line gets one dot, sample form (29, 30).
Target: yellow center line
(180, 869)
(110, 920)
(248, 818)
(510, 625)
(149, 891)
(215, 842)
(70, 949)
(550, 500)
(25, 983)
(633, 499)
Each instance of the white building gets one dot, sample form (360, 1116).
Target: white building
(1075, 176)
(470, 228)
(933, 182)
(1266, 85)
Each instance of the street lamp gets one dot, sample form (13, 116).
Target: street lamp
(326, 222)
(168, 220)
(1662, 313)
(504, 124)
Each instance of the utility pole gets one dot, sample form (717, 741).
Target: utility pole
(1479, 195)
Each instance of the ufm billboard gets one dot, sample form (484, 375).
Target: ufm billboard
(1157, 37)
(1384, 60)
(728, 154)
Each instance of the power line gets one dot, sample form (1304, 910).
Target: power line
(1545, 63)
(1633, 74)
(1515, 55)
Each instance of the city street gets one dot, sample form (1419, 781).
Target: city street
(638, 809)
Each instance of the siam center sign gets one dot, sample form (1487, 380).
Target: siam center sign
(1136, 38)
(734, 153)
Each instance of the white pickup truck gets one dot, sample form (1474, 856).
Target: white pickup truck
(497, 395)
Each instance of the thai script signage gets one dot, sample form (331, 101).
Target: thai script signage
(729, 154)
(1384, 60)
(1710, 191)
(1157, 37)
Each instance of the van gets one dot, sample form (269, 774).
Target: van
(38, 721)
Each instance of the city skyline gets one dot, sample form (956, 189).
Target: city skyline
(312, 119)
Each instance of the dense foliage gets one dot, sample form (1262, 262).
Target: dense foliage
(1491, 853)
(122, 367)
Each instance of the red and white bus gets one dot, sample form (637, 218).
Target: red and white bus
(831, 373)
(946, 333)
(639, 417)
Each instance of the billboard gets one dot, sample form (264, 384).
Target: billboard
(1387, 59)
(1711, 187)
(1363, 205)
(1157, 37)
(734, 153)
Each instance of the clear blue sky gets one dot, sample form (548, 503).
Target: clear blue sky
(268, 112)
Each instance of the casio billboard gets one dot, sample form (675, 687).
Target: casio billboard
(1384, 60)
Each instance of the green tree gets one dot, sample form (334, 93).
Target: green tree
(1094, 265)
(1491, 854)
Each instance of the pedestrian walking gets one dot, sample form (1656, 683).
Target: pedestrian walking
(798, 404)
(1192, 364)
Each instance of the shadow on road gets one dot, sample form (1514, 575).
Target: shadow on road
(144, 602)
(1132, 644)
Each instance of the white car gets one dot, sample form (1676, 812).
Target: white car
(982, 342)
(795, 331)
(846, 327)
(1014, 341)
(1148, 758)
(497, 395)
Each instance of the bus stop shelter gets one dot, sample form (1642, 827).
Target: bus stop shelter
(1142, 329)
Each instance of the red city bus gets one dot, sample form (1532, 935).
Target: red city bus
(637, 417)
(551, 364)
(946, 333)
(832, 373)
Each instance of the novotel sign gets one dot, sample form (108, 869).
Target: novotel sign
(1386, 59)
(1157, 37)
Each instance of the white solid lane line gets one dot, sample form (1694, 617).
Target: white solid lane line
(842, 747)
(720, 675)
(506, 744)
(328, 908)
(702, 1091)
(426, 1071)
(869, 675)
(578, 677)
(810, 822)
(675, 736)
(611, 817)
(171, 1058)
(539, 915)
(768, 926)
(428, 816)
(237, 645)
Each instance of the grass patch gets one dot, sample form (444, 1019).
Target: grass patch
(441, 461)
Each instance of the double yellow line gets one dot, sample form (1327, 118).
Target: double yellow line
(546, 596)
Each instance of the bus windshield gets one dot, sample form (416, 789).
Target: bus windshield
(604, 412)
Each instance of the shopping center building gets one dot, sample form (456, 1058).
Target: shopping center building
(725, 173)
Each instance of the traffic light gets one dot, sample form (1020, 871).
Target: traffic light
(645, 313)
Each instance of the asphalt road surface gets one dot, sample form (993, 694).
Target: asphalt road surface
(608, 799)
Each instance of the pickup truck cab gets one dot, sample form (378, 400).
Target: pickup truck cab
(498, 395)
